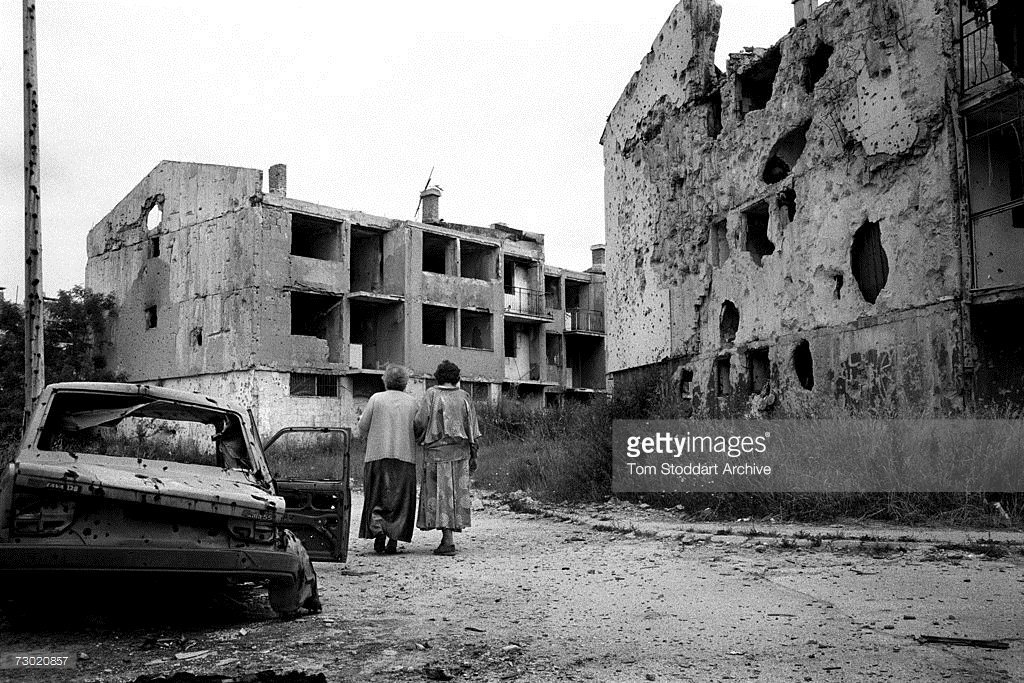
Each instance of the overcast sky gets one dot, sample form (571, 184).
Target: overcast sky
(506, 101)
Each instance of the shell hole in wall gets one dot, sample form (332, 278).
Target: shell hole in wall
(756, 83)
(154, 217)
(719, 242)
(785, 153)
(816, 65)
(714, 119)
(868, 261)
(757, 242)
(786, 199)
(729, 322)
(803, 364)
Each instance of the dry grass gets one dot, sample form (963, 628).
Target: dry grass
(565, 455)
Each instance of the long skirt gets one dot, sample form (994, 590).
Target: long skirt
(389, 505)
(445, 496)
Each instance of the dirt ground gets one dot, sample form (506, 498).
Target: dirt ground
(610, 592)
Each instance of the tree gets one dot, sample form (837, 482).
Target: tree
(75, 325)
(12, 370)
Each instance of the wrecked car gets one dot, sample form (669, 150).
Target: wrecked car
(130, 478)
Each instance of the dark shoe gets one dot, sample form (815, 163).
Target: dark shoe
(445, 549)
(391, 548)
(378, 543)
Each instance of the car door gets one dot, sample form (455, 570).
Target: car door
(311, 472)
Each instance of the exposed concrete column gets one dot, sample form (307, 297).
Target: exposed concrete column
(431, 198)
(279, 179)
(803, 10)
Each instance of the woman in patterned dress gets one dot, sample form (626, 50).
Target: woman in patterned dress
(450, 434)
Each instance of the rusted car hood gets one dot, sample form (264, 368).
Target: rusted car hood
(154, 482)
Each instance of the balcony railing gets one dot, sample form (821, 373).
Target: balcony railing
(524, 301)
(584, 320)
(979, 54)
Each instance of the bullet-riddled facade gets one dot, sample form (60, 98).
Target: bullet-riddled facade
(295, 308)
(801, 224)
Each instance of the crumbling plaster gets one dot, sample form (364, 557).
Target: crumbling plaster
(879, 147)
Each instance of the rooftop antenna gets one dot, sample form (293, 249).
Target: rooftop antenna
(420, 201)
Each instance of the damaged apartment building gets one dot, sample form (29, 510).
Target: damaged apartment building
(294, 308)
(837, 219)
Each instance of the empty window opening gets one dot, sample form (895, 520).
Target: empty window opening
(995, 160)
(552, 292)
(376, 334)
(318, 315)
(302, 384)
(438, 254)
(584, 362)
(838, 291)
(1008, 29)
(786, 199)
(365, 386)
(757, 243)
(479, 392)
(573, 295)
(518, 275)
(154, 247)
(868, 261)
(150, 317)
(553, 346)
(154, 217)
(758, 369)
(366, 272)
(723, 385)
(785, 153)
(315, 237)
(438, 325)
(719, 241)
(755, 84)
(477, 330)
(803, 364)
(816, 65)
(521, 295)
(510, 341)
(996, 181)
(196, 336)
(684, 382)
(729, 322)
(478, 261)
(714, 120)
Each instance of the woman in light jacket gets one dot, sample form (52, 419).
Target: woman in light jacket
(389, 470)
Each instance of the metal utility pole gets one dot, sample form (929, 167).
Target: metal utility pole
(35, 377)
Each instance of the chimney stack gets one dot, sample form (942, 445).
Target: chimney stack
(597, 254)
(803, 10)
(430, 199)
(279, 179)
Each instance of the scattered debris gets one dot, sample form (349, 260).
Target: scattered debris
(968, 642)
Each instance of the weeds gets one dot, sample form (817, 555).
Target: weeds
(565, 455)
